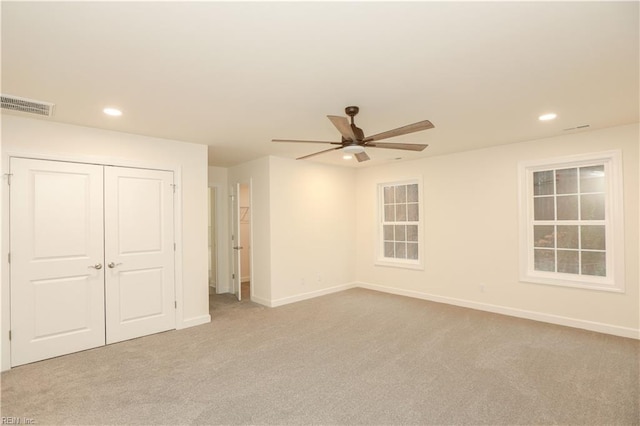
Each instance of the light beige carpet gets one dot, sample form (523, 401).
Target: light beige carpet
(355, 357)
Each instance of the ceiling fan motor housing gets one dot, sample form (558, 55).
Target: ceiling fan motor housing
(351, 110)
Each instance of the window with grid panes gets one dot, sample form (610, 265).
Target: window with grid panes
(400, 228)
(571, 223)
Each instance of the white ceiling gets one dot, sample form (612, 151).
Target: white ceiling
(235, 75)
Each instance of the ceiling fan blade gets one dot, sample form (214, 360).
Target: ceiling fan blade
(410, 128)
(404, 146)
(361, 156)
(317, 153)
(343, 126)
(290, 140)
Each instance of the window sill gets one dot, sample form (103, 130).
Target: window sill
(584, 284)
(399, 264)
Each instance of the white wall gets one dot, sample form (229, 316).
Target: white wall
(471, 233)
(42, 138)
(302, 228)
(313, 213)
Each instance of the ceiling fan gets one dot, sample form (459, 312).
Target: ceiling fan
(353, 139)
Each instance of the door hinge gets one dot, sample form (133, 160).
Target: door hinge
(174, 246)
(233, 276)
(173, 185)
(9, 257)
(8, 175)
(9, 334)
(175, 304)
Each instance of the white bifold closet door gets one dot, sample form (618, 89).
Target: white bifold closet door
(91, 256)
(138, 226)
(57, 274)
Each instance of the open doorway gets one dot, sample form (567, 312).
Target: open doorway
(242, 241)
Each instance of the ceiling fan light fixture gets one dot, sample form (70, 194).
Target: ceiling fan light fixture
(347, 157)
(353, 149)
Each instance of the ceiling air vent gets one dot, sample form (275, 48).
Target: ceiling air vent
(14, 103)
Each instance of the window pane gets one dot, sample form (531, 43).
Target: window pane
(401, 212)
(594, 263)
(388, 249)
(592, 207)
(543, 208)
(389, 196)
(388, 232)
(400, 222)
(390, 213)
(412, 193)
(567, 207)
(412, 212)
(412, 232)
(412, 250)
(544, 260)
(543, 183)
(592, 179)
(543, 236)
(567, 181)
(567, 236)
(568, 261)
(592, 237)
(401, 194)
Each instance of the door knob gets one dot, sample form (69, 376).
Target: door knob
(96, 266)
(113, 265)
(238, 248)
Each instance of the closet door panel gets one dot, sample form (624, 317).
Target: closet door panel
(57, 274)
(139, 252)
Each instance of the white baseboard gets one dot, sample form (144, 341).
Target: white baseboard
(192, 322)
(520, 313)
(308, 295)
(504, 310)
(261, 301)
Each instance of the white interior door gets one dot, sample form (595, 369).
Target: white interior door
(213, 238)
(245, 236)
(237, 247)
(57, 273)
(139, 252)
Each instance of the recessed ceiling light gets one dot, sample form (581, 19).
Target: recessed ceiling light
(347, 157)
(547, 117)
(112, 111)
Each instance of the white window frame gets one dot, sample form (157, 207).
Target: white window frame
(614, 222)
(381, 260)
